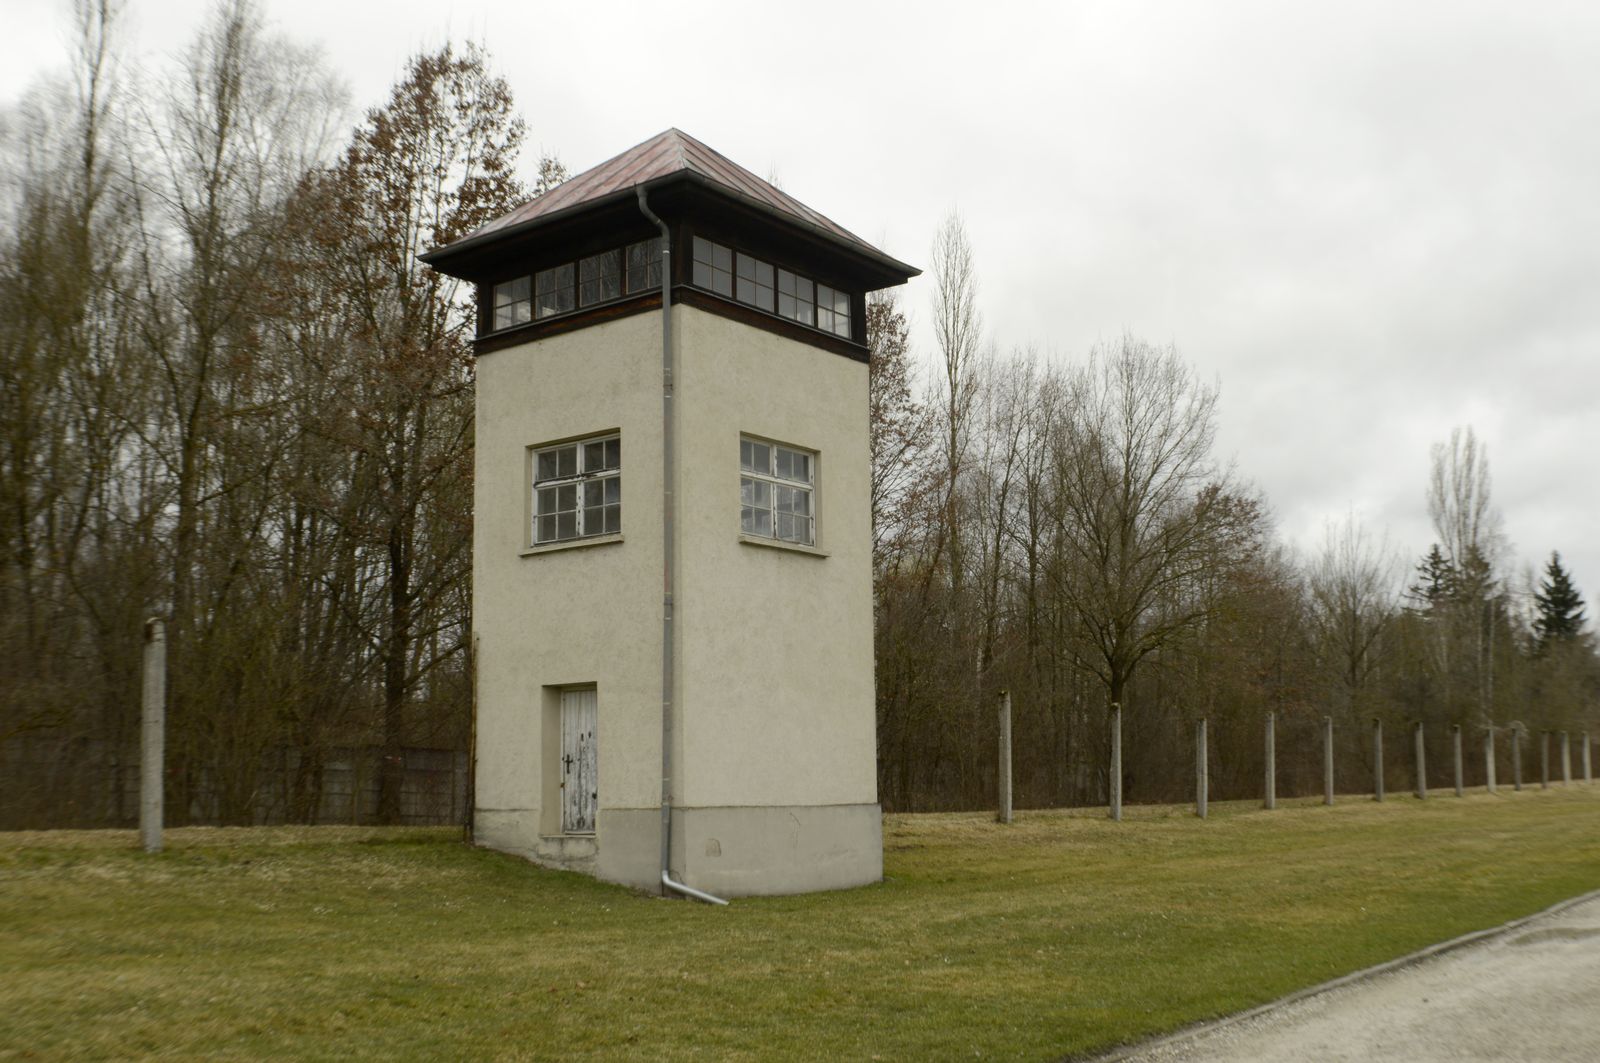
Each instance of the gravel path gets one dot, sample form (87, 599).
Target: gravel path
(1531, 992)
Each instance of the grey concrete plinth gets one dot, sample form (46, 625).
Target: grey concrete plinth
(729, 852)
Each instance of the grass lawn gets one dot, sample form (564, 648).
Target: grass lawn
(1062, 933)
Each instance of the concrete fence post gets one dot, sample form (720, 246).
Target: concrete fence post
(1544, 760)
(1516, 759)
(1422, 761)
(153, 736)
(1566, 759)
(1116, 762)
(1272, 762)
(1377, 759)
(1488, 759)
(1327, 760)
(1588, 773)
(1202, 770)
(1005, 757)
(1455, 738)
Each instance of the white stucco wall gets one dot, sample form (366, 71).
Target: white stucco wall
(584, 614)
(775, 657)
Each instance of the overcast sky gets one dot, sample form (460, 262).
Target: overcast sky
(1370, 222)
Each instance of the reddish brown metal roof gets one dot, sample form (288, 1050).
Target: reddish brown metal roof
(663, 155)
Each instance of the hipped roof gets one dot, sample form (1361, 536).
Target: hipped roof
(668, 156)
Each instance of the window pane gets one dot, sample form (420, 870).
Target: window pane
(755, 457)
(599, 278)
(795, 295)
(567, 461)
(567, 525)
(594, 493)
(746, 288)
(546, 500)
(644, 265)
(757, 493)
(547, 529)
(613, 489)
(702, 262)
(613, 453)
(799, 465)
(613, 519)
(755, 521)
(784, 463)
(553, 288)
(512, 291)
(594, 456)
(841, 313)
(594, 520)
(763, 280)
(567, 498)
(511, 303)
(713, 266)
(545, 466)
(833, 310)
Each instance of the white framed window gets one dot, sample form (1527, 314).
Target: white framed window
(776, 485)
(577, 490)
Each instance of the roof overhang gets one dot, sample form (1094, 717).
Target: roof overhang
(458, 259)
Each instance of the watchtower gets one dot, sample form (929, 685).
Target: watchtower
(672, 542)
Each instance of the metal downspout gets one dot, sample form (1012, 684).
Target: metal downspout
(669, 471)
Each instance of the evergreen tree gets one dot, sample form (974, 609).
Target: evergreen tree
(1436, 581)
(1560, 606)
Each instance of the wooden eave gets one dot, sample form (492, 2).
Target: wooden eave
(684, 195)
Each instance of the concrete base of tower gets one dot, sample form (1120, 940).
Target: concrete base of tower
(739, 851)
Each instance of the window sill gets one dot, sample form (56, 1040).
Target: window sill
(570, 544)
(779, 544)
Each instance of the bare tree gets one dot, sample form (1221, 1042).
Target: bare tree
(231, 138)
(1354, 586)
(958, 330)
(1464, 518)
(1143, 511)
(897, 426)
(1468, 526)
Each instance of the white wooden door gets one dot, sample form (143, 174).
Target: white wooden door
(580, 776)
